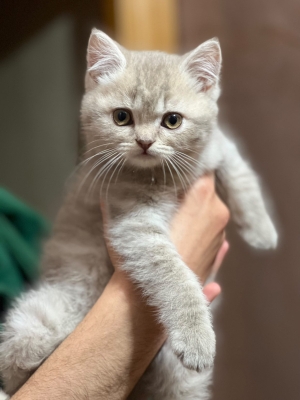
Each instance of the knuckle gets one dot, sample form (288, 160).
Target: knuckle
(223, 214)
(205, 186)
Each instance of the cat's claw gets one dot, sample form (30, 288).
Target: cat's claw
(195, 347)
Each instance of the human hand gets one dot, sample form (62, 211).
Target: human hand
(197, 231)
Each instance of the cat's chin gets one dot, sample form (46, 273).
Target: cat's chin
(144, 161)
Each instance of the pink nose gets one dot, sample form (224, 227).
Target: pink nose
(144, 144)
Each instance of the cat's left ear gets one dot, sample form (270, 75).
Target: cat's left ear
(204, 64)
(104, 57)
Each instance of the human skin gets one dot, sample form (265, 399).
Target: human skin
(111, 348)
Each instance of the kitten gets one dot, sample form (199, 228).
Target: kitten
(149, 121)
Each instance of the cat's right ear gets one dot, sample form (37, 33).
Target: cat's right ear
(104, 57)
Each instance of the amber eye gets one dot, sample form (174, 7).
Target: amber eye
(172, 121)
(122, 117)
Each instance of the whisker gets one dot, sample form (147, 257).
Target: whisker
(108, 168)
(118, 163)
(98, 162)
(187, 165)
(175, 187)
(95, 155)
(95, 147)
(186, 155)
(183, 171)
(93, 141)
(192, 150)
(164, 172)
(179, 175)
(122, 165)
(107, 158)
(83, 162)
(191, 159)
(190, 175)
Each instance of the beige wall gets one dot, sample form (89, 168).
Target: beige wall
(147, 24)
(259, 321)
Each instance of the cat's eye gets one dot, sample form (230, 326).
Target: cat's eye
(172, 121)
(122, 117)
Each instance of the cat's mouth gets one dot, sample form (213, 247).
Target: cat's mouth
(145, 153)
(144, 159)
(145, 156)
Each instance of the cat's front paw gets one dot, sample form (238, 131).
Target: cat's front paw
(195, 347)
(260, 233)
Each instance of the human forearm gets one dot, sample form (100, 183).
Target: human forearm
(106, 354)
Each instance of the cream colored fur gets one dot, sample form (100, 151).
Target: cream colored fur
(141, 192)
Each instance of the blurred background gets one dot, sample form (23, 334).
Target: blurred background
(42, 65)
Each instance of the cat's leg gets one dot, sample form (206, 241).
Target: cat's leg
(151, 260)
(40, 320)
(167, 379)
(244, 198)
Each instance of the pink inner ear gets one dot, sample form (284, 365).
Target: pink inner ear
(104, 57)
(204, 64)
(92, 52)
(96, 55)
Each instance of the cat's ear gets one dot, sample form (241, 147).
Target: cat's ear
(104, 57)
(204, 64)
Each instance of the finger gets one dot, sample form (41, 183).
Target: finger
(220, 256)
(211, 291)
(211, 273)
(202, 189)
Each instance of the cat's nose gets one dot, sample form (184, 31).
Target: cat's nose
(144, 144)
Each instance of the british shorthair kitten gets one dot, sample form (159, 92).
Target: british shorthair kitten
(149, 121)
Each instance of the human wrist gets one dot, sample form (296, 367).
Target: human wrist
(139, 334)
(126, 292)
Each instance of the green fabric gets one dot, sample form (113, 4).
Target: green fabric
(21, 234)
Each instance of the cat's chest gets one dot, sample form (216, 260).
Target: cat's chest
(129, 199)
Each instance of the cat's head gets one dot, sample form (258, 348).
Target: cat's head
(149, 107)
